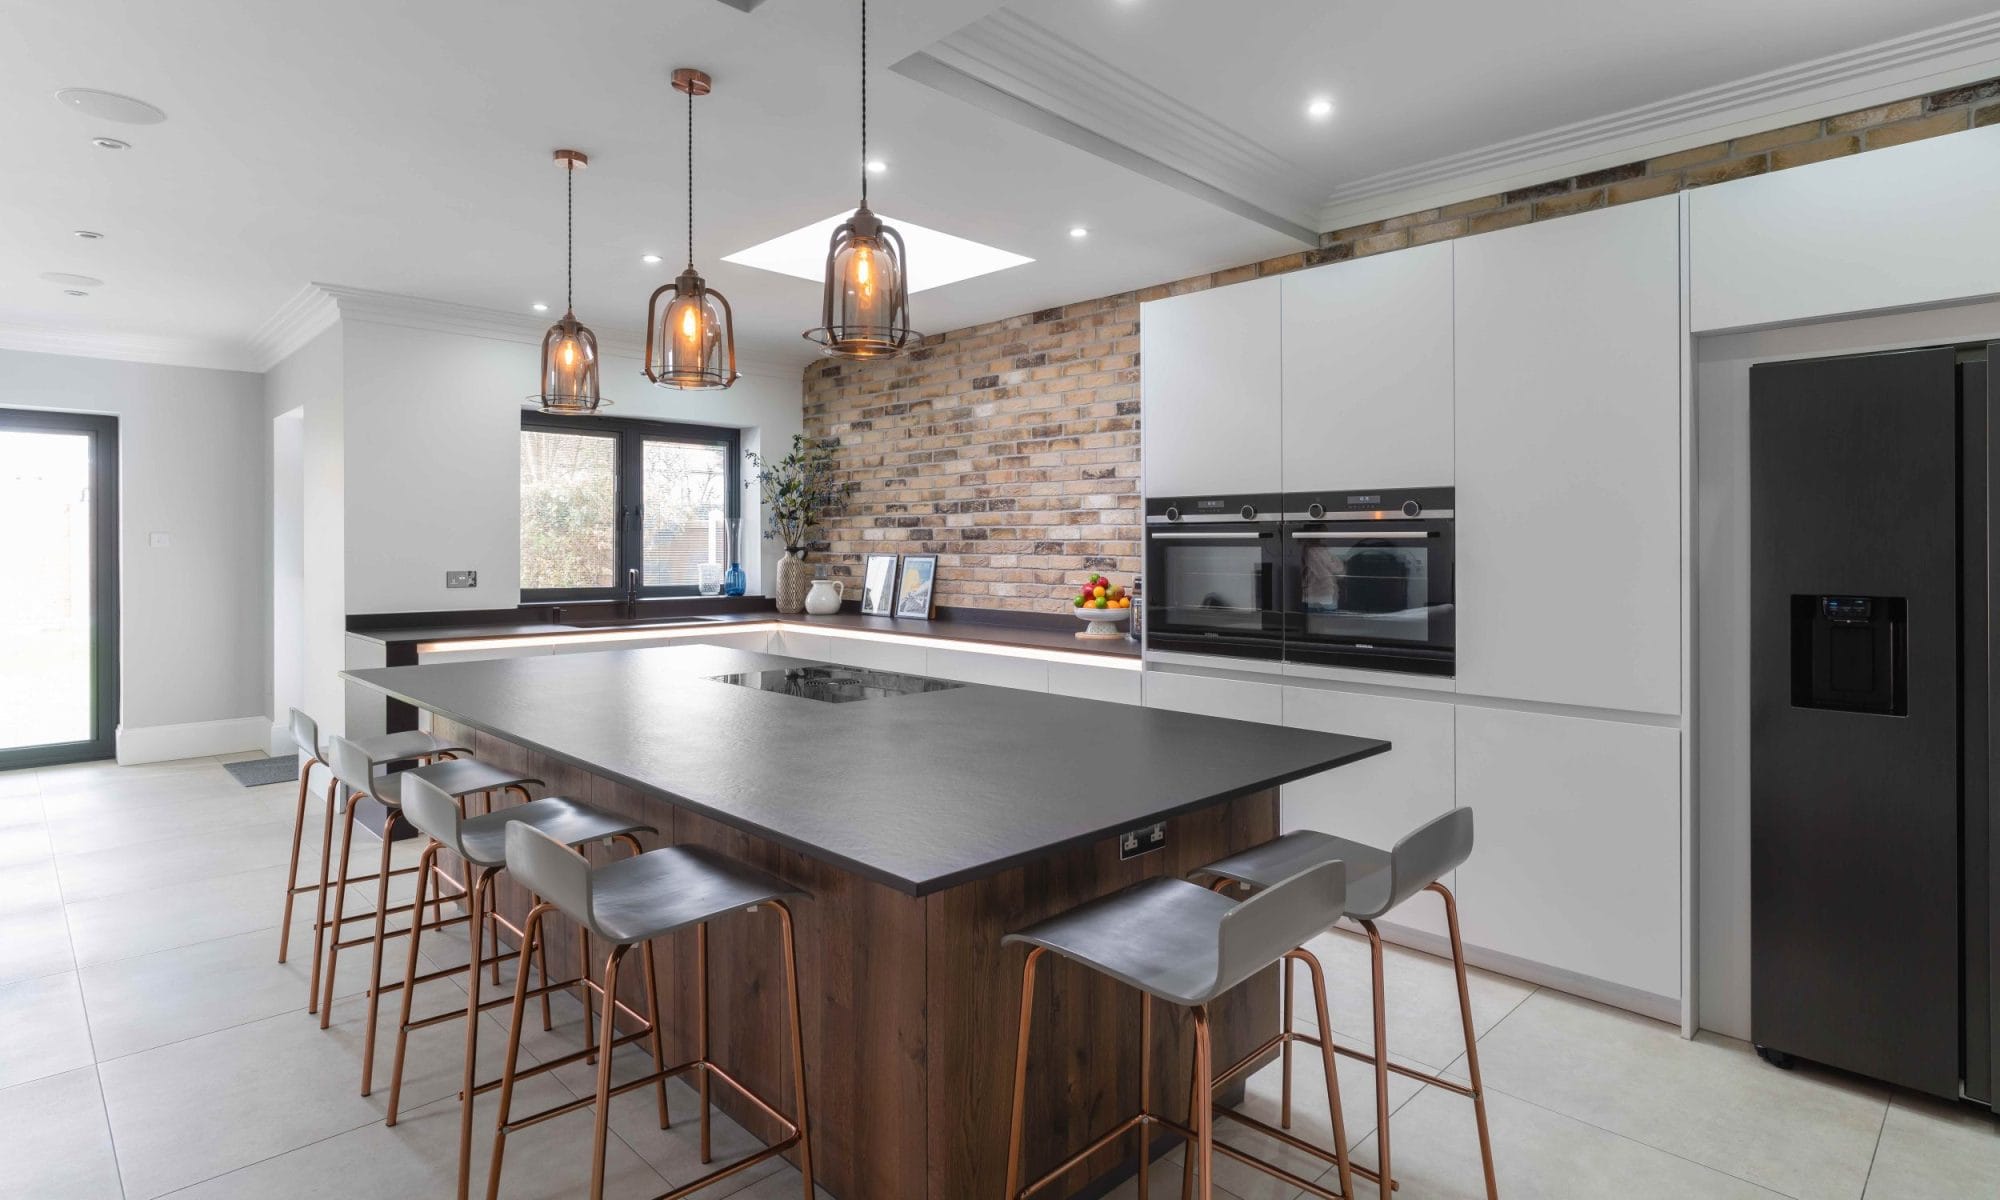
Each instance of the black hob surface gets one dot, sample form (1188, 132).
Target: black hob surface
(835, 685)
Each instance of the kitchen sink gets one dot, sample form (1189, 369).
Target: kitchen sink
(631, 622)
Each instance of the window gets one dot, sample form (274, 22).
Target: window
(602, 496)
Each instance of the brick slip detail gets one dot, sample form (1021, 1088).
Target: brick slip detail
(1011, 449)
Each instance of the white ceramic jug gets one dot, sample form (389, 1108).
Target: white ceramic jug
(824, 597)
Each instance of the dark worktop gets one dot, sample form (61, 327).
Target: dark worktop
(1042, 635)
(918, 792)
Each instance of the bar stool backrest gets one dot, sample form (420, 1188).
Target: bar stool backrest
(305, 731)
(552, 871)
(1427, 853)
(351, 765)
(432, 810)
(1270, 924)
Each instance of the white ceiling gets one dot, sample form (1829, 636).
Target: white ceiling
(403, 147)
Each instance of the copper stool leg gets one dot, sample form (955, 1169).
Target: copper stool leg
(424, 864)
(1145, 1089)
(798, 1044)
(531, 935)
(482, 899)
(1471, 1040)
(1014, 1128)
(1285, 1086)
(656, 1043)
(339, 912)
(381, 934)
(292, 876)
(701, 1028)
(1326, 1062)
(1204, 1068)
(1381, 1057)
(319, 898)
(600, 1132)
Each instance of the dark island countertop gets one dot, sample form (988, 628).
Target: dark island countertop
(919, 792)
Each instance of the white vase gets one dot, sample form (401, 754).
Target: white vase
(823, 597)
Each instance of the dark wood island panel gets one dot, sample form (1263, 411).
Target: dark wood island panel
(911, 1004)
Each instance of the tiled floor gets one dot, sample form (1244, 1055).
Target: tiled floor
(151, 1045)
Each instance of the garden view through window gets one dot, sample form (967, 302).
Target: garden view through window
(600, 497)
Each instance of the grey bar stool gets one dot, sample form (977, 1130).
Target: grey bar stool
(629, 903)
(481, 842)
(358, 774)
(387, 748)
(1379, 880)
(1186, 945)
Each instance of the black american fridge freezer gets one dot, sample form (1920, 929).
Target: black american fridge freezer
(1873, 698)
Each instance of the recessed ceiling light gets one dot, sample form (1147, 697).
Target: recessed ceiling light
(110, 106)
(104, 143)
(74, 292)
(876, 166)
(541, 308)
(69, 280)
(1319, 107)
(88, 235)
(936, 258)
(649, 259)
(1078, 231)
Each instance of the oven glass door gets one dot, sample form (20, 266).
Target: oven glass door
(1371, 593)
(1214, 591)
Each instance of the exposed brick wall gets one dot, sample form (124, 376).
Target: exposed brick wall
(1011, 449)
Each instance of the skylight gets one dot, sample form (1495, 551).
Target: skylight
(935, 258)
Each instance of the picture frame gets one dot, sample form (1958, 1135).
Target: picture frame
(878, 586)
(916, 587)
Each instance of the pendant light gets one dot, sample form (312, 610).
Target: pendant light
(569, 349)
(865, 309)
(693, 344)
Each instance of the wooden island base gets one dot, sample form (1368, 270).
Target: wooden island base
(911, 1004)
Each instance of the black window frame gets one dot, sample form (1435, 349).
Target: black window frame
(631, 435)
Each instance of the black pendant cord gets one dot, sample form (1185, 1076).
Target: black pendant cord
(864, 103)
(690, 177)
(569, 235)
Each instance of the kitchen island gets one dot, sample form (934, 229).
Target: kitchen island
(926, 819)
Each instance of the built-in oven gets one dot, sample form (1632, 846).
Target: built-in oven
(1213, 575)
(1368, 579)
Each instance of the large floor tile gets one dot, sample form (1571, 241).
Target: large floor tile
(85, 828)
(1930, 1149)
(24, 843)
(18, 783)
(54, 1144)
(176, 915)
(195, 1109)
(1803, 1133)
(1311, 1122)
(1420, 997)
(34, 942)
(1536, 1153)
(138, 1003)
(42, 1030)
(196, 852)
(419, 1158)
(30, 885)
(21, 810)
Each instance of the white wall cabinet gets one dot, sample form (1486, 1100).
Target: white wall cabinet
(1576, 848)
(1379, 799)
(1213, 696)
(1568, 454)
(1210, 385)
(1367, 373)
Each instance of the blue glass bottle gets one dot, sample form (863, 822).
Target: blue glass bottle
(734, 582)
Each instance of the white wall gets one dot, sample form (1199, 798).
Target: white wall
(192, 451)
(309, 381)
(288, 563)
(1722, 424)
(432, 476)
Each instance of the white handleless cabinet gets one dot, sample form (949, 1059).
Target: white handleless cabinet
(1216, 696)
(910, 658)
(994, 670)
(1576, 844)
(1377, 800)
(1210, 390)
(1568, 436)
(1368, 373)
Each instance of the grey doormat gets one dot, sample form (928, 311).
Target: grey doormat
(256, 772)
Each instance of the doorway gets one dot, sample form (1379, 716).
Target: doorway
(59, 605)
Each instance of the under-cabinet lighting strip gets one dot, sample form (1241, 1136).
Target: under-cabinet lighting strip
(1109, 661)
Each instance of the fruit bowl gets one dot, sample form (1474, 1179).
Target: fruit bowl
(1103, 622)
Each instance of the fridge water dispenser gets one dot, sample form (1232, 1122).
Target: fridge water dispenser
(1848, 652)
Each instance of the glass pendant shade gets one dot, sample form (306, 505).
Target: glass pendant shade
(691, 339)
(865, 308)
(569, 368)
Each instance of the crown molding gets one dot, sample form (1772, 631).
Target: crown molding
(310, 312)
(1930, 60)
(218, 355)
(1052, 83)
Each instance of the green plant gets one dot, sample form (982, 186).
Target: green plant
(800, 490)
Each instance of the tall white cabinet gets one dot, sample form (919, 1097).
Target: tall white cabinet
(1209, 370)
(1569, 460)
(1367, 373)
